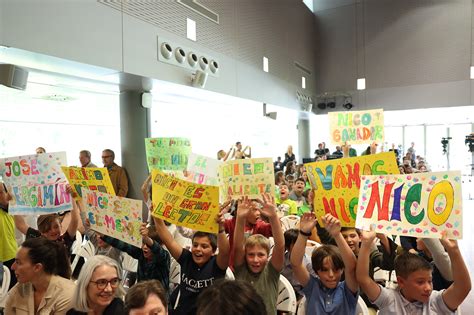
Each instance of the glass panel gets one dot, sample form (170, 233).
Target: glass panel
(435, 157)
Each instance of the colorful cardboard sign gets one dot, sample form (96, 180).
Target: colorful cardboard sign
(356, 127)
(36, 183)
(202, 170)
(92, 178)
(247, 177)
(337, 183)
(114, 216)
(183, 203)
(419, 205)
(167, 154)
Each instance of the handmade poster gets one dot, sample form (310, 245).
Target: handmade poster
(419, 205)
(246, 177)
(337, 183)
(36, 183)
(202, 170)
(356, 127)
(184, 203)
(114, 216)
(167, 154)
(92, 178)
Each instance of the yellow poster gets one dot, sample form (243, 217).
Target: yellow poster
(92, 178)
(356, 127)
(247, 177)
(184, 203)
(337, 183)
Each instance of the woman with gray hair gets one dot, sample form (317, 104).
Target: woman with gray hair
(98, 289)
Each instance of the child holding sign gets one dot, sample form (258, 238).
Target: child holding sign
(415, 293)
(251, 256)
(199, 266)
(326, 294)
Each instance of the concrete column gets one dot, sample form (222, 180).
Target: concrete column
(304, 147)
(134, 128)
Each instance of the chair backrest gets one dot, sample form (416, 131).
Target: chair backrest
(129, 263)
(175, 274)
(286, 301)
(289, 222)
(86, 251)
(229, 275)
(77, 243)
(310, 246)
(301, 307)
(5, 285)
(361, 307)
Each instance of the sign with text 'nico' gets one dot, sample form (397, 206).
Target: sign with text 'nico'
(36, 183)
(356, 127)
(184, 203)
(202, 170)
(114, 216)
(167, 154)
(337, 183)
(419, 205)
(92, 178)
(247, 177)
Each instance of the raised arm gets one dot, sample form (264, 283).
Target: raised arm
(173, 247)
(21, 224)
(333, 226)
(368, 286)
(228, 154)
(269, 210)
(249, 155)
(459, 289)
(75, 218)
(307, 223)
(243, 209)
(222, 243)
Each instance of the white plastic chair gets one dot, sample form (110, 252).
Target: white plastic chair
(272, 245)
(229, 275)
(129, 263)
(5, 285)
(361, 307)
(301, 307)
(175, 274)
(86, 251)
(289, 222)
(310, 246)
(77, 243)
(286, 301)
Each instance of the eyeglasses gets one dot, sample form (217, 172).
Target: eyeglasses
(102, 283)
(106, 156)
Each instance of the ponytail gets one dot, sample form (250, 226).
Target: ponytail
(52, 255)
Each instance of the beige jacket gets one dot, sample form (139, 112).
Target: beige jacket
(56, 300)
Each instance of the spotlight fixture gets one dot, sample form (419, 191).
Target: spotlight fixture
(322, 105)
(331, 103)
(347, 104)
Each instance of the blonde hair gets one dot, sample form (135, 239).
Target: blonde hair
(258, 240)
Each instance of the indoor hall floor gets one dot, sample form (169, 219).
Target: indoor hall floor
(467, 249)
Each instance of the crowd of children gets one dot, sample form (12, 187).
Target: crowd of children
(431, 278)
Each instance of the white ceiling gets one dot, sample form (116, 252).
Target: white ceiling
(321, 5)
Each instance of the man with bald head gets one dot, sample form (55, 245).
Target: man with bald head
(117, 174)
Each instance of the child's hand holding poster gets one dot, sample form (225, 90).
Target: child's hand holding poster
(184, 203)
(114, 216)
(36, 183)
(419, 205)
(92, 178)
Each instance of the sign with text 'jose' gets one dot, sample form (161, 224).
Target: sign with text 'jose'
(36, 183)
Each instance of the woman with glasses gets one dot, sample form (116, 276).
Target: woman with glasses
(98, 288)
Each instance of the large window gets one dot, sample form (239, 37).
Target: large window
(58, 119)
(214, 121)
